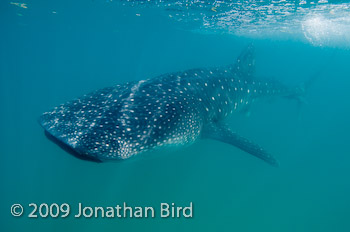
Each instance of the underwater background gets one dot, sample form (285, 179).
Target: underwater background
(54, 51)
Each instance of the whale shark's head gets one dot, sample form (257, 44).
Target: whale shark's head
(100, 152)
(119, 122)
(90, 136)
(71, 150)
(102, 143)
(120, 137)
(111, 142)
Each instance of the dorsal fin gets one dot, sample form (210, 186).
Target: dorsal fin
(244, 67)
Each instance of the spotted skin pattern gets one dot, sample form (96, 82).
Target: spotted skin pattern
(119, 122)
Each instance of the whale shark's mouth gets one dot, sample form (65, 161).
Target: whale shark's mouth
(70, 150)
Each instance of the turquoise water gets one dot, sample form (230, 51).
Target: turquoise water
(53, 51)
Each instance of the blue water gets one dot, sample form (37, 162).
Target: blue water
(54, 51)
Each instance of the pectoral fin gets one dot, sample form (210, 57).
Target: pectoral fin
(223, 134)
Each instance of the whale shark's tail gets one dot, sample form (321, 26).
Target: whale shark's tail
(299, 92)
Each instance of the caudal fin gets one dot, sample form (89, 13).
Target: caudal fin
(302, 89)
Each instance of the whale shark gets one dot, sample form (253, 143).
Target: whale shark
(174, 109)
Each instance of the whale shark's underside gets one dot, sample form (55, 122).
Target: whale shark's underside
(118, 122)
